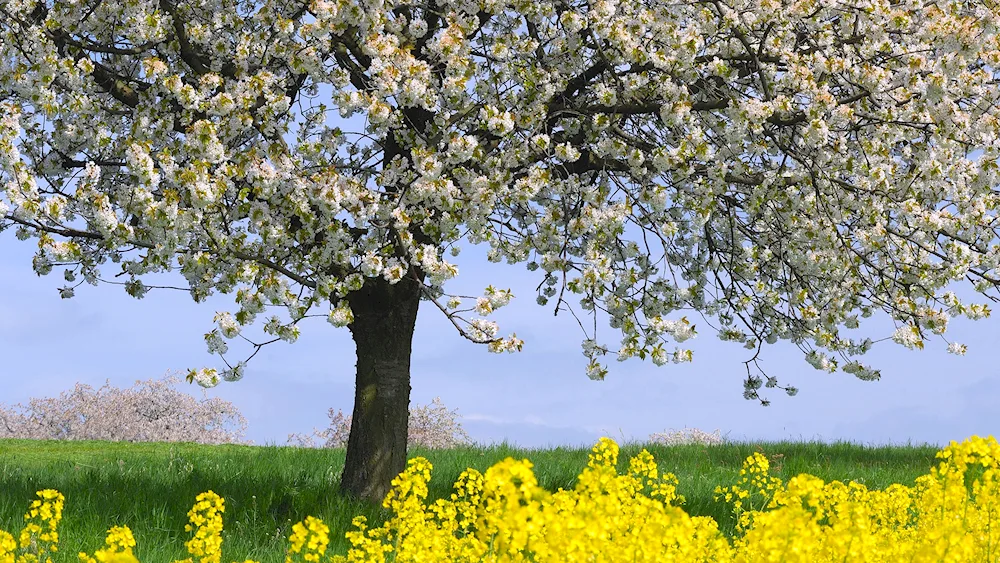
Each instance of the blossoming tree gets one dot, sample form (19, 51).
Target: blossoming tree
(781, 167)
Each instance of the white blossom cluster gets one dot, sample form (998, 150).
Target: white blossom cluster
(149, 411)
(428, 426)
(780, 168)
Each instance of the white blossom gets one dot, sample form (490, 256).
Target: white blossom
(227, 324)
(632, 152)
(215, 343)
(234, 373)
(341, 316)
(206, 377)
(149, 411)
(908, 336)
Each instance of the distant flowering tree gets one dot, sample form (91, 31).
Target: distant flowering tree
(429, 426)
(686, 436)
(149, 411)
(782, 167)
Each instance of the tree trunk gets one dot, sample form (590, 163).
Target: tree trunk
(384, 319)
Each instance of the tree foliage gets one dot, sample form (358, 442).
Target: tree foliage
(780, 167)
(149, 411)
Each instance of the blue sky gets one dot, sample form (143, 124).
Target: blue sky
(536, 398)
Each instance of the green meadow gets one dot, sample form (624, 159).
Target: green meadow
(150, 487)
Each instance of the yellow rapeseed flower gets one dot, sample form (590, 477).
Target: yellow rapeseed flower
(7, 547)
(205, 519)
(503, 515)
(40, 536)
(310, 538)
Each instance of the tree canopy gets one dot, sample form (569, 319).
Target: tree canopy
(779, 167)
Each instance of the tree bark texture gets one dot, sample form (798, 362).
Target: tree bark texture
(384, 318)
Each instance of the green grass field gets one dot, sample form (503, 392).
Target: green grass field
(150, 487)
